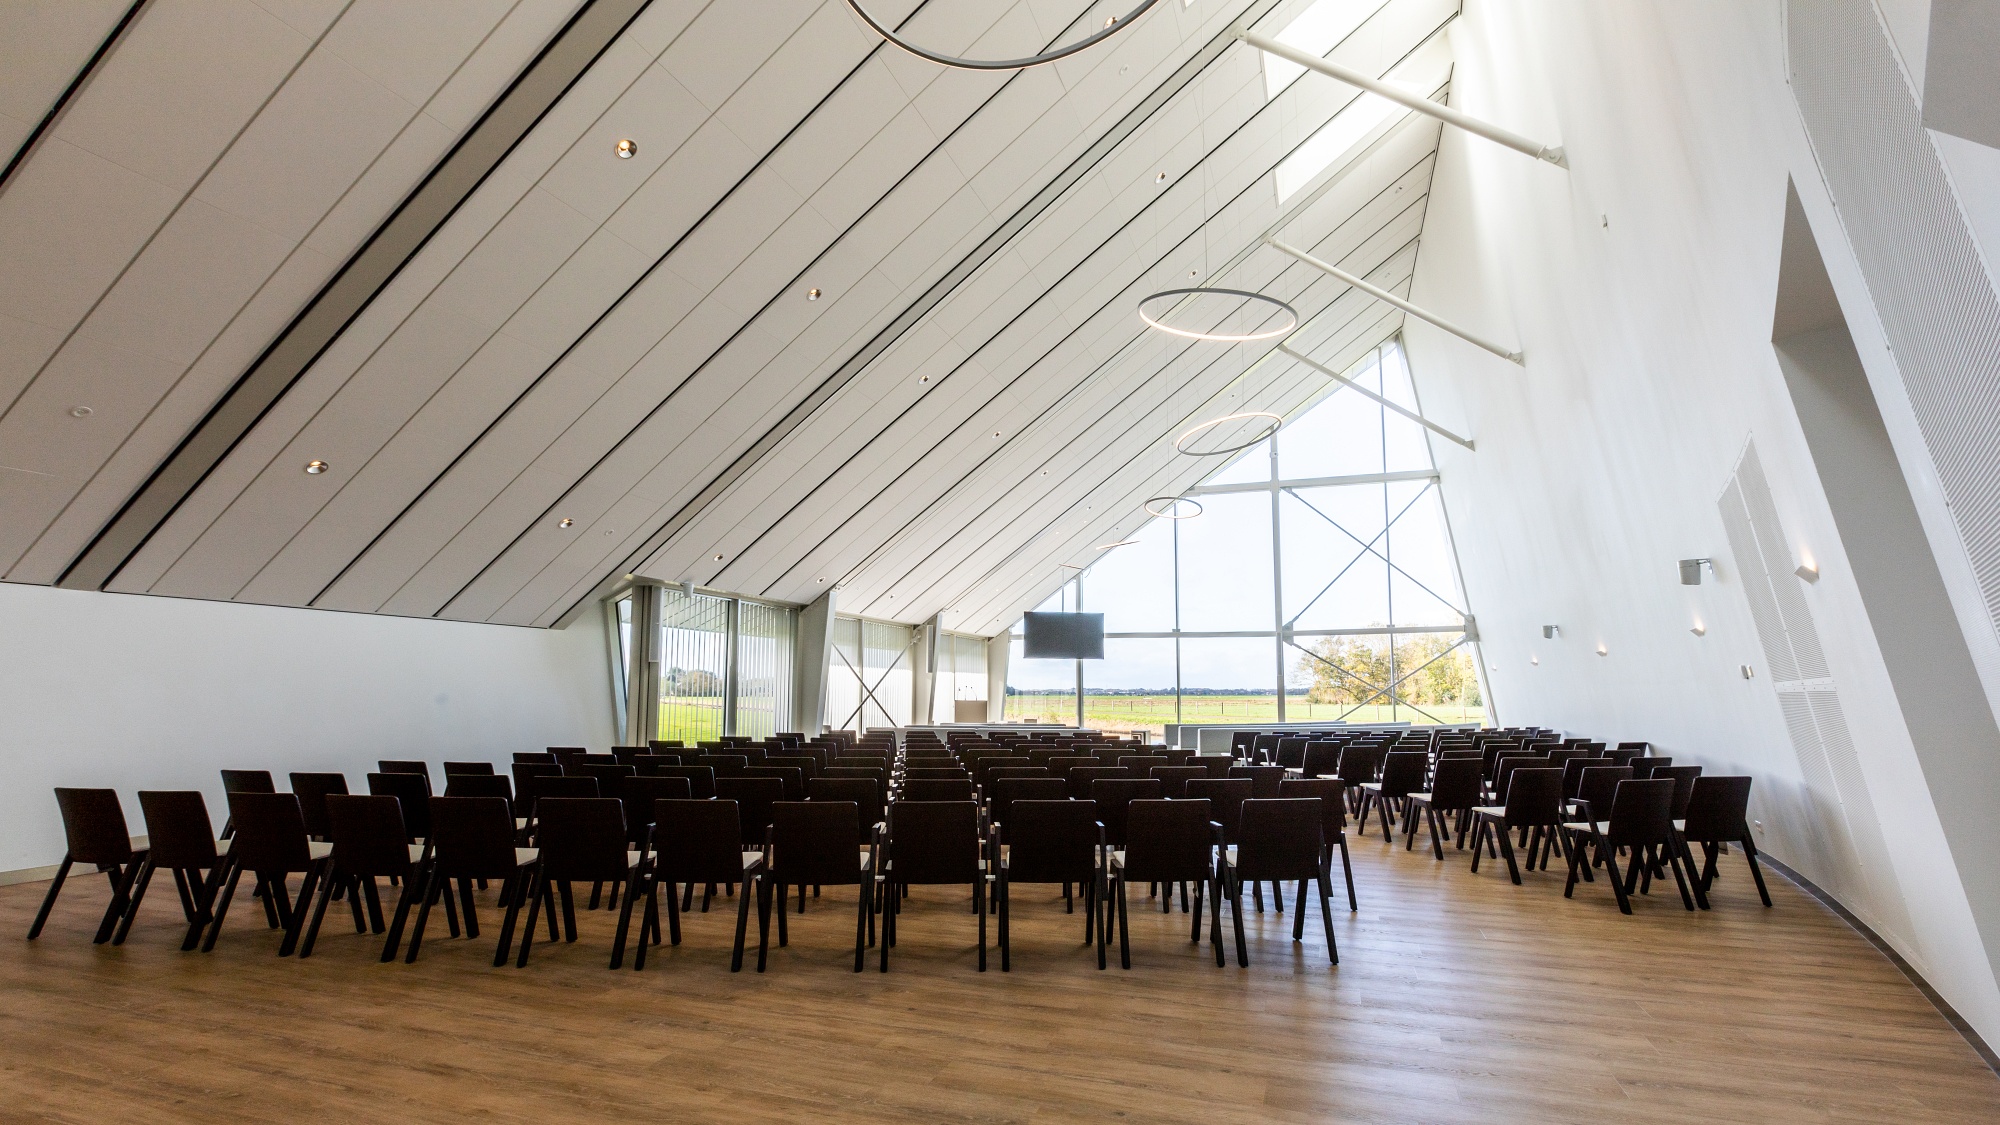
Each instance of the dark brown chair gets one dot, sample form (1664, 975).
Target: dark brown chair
(932, 843)
(312, 790)
(1332, 796)
(453, 769)
(1166, 842)
(1280, 840)
(480, 785)
(1534, 804)
(1000, 797)
(534, 757)
(608, 775)
(700, 779)
(581, 838)
(388, 766)
(649, 765)
(1263, 780)
(1140, 764)
(935, 789)
(271, 843)
(1718, 814)
(755, 798)
(415, 795)
(724, 765)
(244, 781)
(1402, 774)
(1456, 788)
(473, 838)
(1173, 779)
(696, 842)
(94, 826)
(864, 793)
(1321, 759)
(1642, 819)
(181, 838)
(370, 840)
(791, 777)
(816, 843)
(1290, 753)
(1113, 795)
(1081, 778)
(1052, 841)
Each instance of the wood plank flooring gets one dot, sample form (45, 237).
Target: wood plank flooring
(1459, 997)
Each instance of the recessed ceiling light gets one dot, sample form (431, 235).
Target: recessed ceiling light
(1192, 273)
(627, 149)
(315, 468)
(1110, 20)
(81, 412)
(567, 523)
(996, 433)
(821, 581)
(718, 558)
(1160, 179)
(812, 294)
(924, 379)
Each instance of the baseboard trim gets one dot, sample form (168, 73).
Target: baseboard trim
(28, 875)
(1950, 1014)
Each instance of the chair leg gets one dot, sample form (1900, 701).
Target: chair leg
(512, 890)
(1124, 928)
(1437, 832)
(979, 892)
(319, 913)
(1326, 915)
(624, 920)
(1478, 840)
(763, 921)
(1680, 881)
(1611, 874)
(318, 874)
(1242, 945)
(1507, 850)
(569, 910)
(537, 891)
(1299, 915)
(1000, 892)
(1347, 869)
(1278, 896)
(1569, 887)
(222, 906)
(778, 903)
(135, 897)
(49, 900)
(1194, 927)
(120, 877)
(1756, 872)
(470, 911)
(890, 909)
(742, 922)
(431, 887)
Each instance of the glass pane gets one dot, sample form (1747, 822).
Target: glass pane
(968, 680)
(1039, 690)
(1339, 436)
(1429, 677)
(1226, 564)
(1249, 467)
(694, 650)
(886, 667)
(1424, 585)
(1228, 679)
(1132, 688)
(763, 669)
(1332, 579)
(843, 676)
(1439, 681)
(1133, 586)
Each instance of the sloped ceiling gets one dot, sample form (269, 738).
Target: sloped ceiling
(600, 367)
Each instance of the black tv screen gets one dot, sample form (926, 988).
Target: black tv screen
(1063, 636)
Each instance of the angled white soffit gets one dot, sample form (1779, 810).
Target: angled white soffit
(628, 345)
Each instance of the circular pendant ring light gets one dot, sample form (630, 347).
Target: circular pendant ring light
(1291, 315)
(1172, 511)
(1110, 29)
(1180, 443)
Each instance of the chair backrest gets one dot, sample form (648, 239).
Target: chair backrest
(1168, 840)
(1291, 752)
(817, 842)
(1718, 809)
(949, 773)
(1280, 839)
(1403, 772)
(1321, 759)
(1139, 764)
(697, 841)
(665, 745)
(1573, 773)
(178, 831)
(1622, 755)
(608, 775)
(754, 797)
(1332, 795)
(863, 761)
(1004, 791)
(1263, 779)
(535, 757)
(389, 766)
(1506, 767)
(864, 793)
(856, 773)
(936, 789)
(415, 794)
(1051, 841)
(248, 781)
(453, 769)
(625, 754)
(369, 834)
(570, 788)
(1358, 764)
(649, 765)
(478, 785)
(1240, 742)
(1173, 779)
(1114, 795)
(525, 770)
(1598, 785)
(1263, 747)
(1081, 778)
(1225, 797)
(1683, 778)
(1455, 784)
(724, 765)
(791, 777)
(472, 837)
(1642, 812)
(581, 837)
(700, 779)
(1535, 796)
(640, 794)
(270, 832)
(934, 842)
(94, 825)
(1642, 768)
(312, 790)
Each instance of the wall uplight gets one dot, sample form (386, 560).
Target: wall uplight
(1808, 570)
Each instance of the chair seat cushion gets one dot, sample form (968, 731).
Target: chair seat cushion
(752, 859)
(1372, 786)
(416, 852)
(1585, 826)
(1424, 797)
(318, 849)
(526, 856)
(1491, 810)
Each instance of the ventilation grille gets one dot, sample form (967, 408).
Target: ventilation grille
(1935, 301)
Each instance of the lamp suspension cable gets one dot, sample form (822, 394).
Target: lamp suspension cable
(1389, 298)
(1412, 415)
(1551, 153)
(1111, 27)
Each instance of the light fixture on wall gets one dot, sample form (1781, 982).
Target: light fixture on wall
(1535, 660)
(1808, 570)
(1271, 423)
(1112, 25)
(1699, 629)
(1551, 632)
(1691, 570)
(1291, 315)
(1169, 508)
(1748, 672)
(1601, 650)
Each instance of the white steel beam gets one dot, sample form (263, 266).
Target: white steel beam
(1412, 415)
(1389, 298)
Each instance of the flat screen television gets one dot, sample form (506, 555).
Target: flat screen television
(1062, 636)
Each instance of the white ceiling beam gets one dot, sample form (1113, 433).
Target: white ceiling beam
(1387, 297)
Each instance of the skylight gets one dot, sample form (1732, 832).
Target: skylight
(1318, 30)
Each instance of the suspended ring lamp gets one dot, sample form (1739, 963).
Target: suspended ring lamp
(1180, 443)
(1172, 510)
(1291, 315)
(1116, 25)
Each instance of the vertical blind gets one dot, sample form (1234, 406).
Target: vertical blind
(870, 683)
(694, 665)
(763, 668)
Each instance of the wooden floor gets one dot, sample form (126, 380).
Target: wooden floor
(1459, 997)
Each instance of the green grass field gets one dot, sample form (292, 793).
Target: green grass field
(1154, 712)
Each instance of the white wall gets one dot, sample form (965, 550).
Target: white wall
(135, 693)
(1641, 285)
